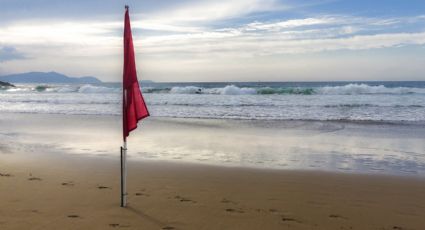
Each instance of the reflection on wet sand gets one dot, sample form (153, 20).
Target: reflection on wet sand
(306, 145)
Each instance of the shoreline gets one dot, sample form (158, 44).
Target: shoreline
(60, 157)
(289, 145)
(271, 120)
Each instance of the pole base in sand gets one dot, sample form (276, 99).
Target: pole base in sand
(123, 176)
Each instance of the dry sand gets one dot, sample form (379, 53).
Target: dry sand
(77, 192)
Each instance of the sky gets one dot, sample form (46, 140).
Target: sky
(218, 40)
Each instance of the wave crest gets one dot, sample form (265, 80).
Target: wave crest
(97, 89)
(351, 89)
(348, 89)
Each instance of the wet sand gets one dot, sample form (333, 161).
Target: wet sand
(376, 148)
(62, 172)
(76, 192)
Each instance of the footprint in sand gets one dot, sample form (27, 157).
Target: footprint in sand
(118, 226)
(141, 194)
(336, 216)
(183, 199)
(34, 178)
(260, 210)
(5, 175)
(290, 219)
(232, 210)
(273, 210)
(226, 201)
(103, 187)
(69, 183)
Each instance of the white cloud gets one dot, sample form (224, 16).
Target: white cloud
(184, 42)
(289, 24)
(258, 38)
(30, 33)
(237, 45)
(285, 37)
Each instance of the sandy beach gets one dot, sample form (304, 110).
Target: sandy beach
(74, 192)
(45, 184)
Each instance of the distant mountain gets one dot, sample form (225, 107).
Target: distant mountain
(49, 77)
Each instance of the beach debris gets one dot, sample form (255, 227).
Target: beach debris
(73, 216)
(168, 228)
(114, 225)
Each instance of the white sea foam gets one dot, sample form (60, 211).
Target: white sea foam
(19, 89)
(65, 89)
(234, 90)
(351, 89)
(185, 90)
(97, 89)
(353, 101)
(227, 90)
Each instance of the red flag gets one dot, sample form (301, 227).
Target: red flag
(134, 107)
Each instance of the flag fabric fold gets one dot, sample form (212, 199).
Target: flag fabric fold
(134, 107)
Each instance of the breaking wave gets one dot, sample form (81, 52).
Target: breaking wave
(390, 101)
(64, 89)
(97, 89)
(227, 90)
(349, 89)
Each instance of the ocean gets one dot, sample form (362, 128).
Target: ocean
(360, 127)
(398, 102)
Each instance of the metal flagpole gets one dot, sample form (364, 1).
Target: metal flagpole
(124, 159)
(124, 175)
(124, 151)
